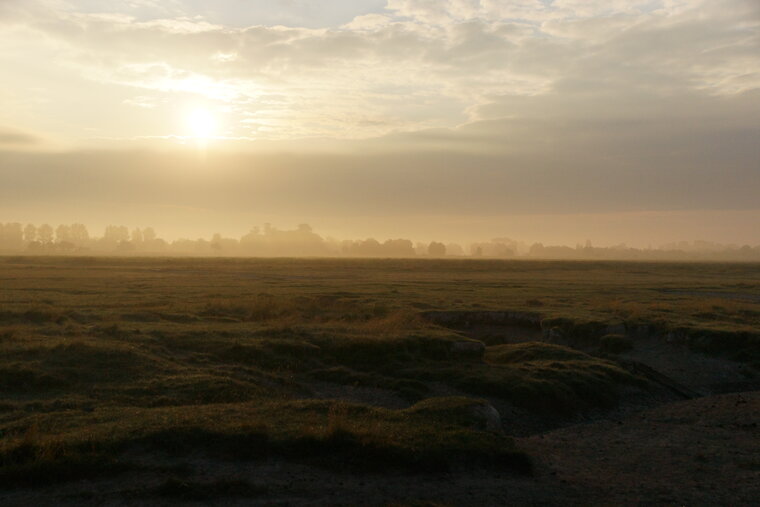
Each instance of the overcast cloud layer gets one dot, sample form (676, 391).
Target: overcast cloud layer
(410, 108)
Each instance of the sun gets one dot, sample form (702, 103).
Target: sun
(201, 123)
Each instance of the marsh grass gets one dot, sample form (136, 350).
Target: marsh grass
(106, 358)
(326, 433)
(34, 458)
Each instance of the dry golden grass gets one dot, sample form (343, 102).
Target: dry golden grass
(101, 355)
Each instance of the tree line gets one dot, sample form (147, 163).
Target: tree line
(269, 241)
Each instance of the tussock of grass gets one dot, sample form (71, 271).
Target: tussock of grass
(532, 351)
(33, 315)
(284, 354)
(21, 378)
(384, 353)
(31, 459)
(88, 362)
(8, 333)
(406, 388)
(541, 377)
(186, 389)
(268, 308)
(429, 437)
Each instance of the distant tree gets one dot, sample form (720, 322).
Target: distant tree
(370, 247)
(216, 242)
(63, 234)
(536, 249)
(45, 234)
(30, 233)
(116, 234)
(436, 249)
(137, 237)
(398, 248)
(79, 234)
(149, 234)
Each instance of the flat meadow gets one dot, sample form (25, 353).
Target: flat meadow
(184, 379)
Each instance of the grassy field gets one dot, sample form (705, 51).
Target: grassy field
(111, 366)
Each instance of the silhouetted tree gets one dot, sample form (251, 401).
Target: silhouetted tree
(79, 234)
(436, 249)
(30, 233)
(45, 234)
(63, 234)
(116, 234)
(149, 234)
(398, 248)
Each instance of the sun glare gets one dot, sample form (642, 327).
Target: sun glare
(201, 123)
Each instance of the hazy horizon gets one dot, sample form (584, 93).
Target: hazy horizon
(558, 121)
(269, 240)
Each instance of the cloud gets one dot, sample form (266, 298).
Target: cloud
(456, 106)
(423, 63)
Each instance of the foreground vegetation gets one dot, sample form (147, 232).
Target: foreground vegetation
(330, 363)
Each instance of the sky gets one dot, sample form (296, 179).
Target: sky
(633, 121)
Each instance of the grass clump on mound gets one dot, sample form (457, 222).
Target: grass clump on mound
(545, 378)
(431, 437)
(532, 351)
(434, 436)
(31, 458)
(269, 308)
